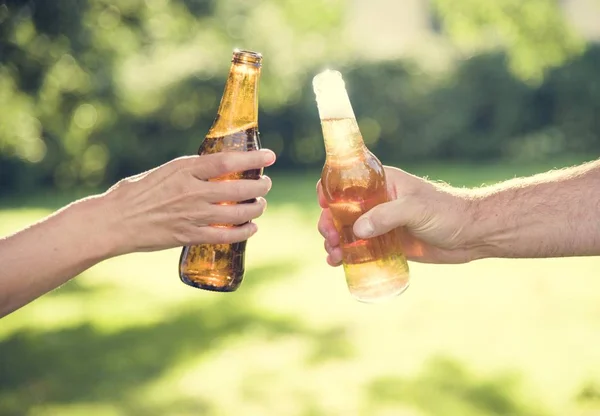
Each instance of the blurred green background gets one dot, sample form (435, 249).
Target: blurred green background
(465, 91)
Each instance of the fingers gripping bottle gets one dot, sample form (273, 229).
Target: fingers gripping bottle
(353, 182)
(220, 267)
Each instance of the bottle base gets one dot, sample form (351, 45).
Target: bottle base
(204, 283)
(378, 297)
(377, 281)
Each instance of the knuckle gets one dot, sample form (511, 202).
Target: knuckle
(185, 187)
(178, 180)
(240, 212)
(202, 188)
(198, 215)
(213, 165)
(210, 191)
(183, 236)
(185, 240)
(180, 164)
(237, 191)
(120, 185)
(208, 215)
(380, 219)
(220, 236)
(254, 189)
(223, 191)
(222, 163)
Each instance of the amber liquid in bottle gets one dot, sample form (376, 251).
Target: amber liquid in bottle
(221, 267)
(353, 182)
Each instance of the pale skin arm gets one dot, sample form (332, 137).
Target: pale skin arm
(553, 214)
(170, 206)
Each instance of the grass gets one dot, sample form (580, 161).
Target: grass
(495, 337)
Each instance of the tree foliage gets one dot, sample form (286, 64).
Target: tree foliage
(534, 33)
(91, 91)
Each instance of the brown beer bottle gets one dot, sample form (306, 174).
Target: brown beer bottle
(220, 267)
(353, 182)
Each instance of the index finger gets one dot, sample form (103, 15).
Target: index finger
(327, 228)
(218, 164)
(321, 196)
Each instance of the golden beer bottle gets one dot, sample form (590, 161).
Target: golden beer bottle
(220, 267)
(353, 182)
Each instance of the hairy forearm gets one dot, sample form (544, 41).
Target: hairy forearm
(52, 251)
(553, 214)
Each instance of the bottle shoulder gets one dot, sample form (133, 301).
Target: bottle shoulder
(355, 164)
(241, 140)
(358, 177)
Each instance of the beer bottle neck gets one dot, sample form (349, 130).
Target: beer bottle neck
(239, 104)
(343, 140)
(341, 134)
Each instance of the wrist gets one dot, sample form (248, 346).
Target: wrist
(479, 242)
(101, 220)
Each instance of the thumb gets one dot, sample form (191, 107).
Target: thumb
(385, 217)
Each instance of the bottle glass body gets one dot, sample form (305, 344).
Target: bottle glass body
(353, 182)
(221, 267)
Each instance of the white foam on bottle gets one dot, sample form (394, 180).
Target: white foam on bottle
(332, 98)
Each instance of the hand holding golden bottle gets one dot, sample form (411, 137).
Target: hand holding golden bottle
(353, 182)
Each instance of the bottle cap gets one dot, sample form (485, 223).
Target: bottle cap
(332, 98)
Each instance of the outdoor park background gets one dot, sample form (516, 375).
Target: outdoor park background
(469, 92)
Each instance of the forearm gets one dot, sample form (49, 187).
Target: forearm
(554, 214)
(49, 253)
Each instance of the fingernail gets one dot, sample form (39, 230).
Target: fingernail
(364, 228)
(337, 255)
(253, 228)
(270, 181)
(269, 156)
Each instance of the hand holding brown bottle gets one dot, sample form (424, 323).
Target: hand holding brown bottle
(171, 205)
(176, 203)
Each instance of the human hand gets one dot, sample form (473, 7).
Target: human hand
(434, 218)
(175, 204)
